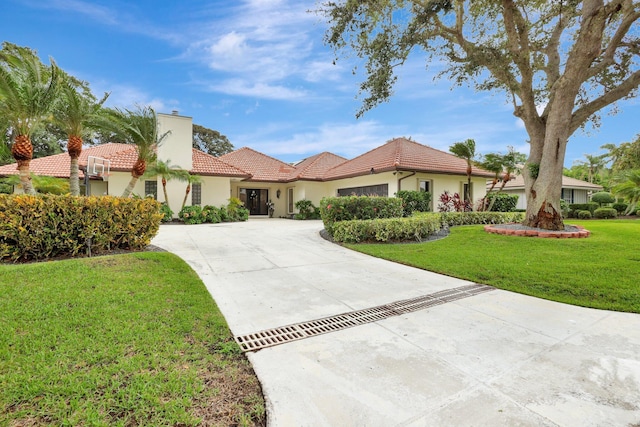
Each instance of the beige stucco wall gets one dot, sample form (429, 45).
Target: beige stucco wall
(176, 147)
(215, 191)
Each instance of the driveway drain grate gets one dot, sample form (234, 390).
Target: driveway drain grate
(298, 331)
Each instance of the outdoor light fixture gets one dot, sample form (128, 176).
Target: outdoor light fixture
(278, 193)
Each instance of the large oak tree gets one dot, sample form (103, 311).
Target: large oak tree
(560, 63)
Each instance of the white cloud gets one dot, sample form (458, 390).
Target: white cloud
(258, 90)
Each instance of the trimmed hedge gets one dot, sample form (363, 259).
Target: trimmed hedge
(414, 201)
(47, 226)
(574, 208)
(336, 209)
(417, 227)
(192, 215)
(472, 218)
(605, 213)
(386, 229)
(584, 215)
(621, 207)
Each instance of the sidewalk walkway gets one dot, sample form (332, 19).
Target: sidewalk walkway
(492, 359)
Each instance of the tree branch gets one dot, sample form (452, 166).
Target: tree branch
(630, 16)
(581, 115)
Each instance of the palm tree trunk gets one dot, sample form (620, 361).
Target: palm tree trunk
(74, 180)
(164, 190)
(127, 191)
(186, 194)
(25, 177)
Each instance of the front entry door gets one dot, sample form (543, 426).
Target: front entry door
(255, 199)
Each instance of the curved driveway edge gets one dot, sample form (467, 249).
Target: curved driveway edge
(494, 359)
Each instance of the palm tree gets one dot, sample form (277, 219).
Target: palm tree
(167, 172)
(138, 127)
(466, 151)
(493, 162)
(27, 93)
(628, 187)
(74, 112)
(509, 167)
(190, 179)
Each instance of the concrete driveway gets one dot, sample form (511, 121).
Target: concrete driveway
(492, 359)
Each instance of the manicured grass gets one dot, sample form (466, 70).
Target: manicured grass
(602, 271)
(119, 340)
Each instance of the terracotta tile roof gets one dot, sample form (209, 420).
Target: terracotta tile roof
(260, 166)
(122, 157)
(517, 183)
(58, 165)
(403, 154)
(315, 167)
(206, 164)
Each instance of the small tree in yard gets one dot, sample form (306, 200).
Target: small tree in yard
(603, 197)
(166, 171)
(628, 186)
(559, 63)
(466, 151)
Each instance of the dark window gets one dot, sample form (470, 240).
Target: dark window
(425, 186)
(196, 193)
(369, 190)
(151, 189)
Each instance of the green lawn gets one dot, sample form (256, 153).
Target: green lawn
(118, 340)
(602, 271)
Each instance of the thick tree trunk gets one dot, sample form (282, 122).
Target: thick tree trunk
(543, 177)
(74, 180)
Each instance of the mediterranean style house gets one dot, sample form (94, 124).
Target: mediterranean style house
(256, 179)
(573, 190)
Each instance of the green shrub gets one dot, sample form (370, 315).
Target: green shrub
(414, 201)
(471, 218)
(604, 213)
(575, 207)
(503, 202)
(167, 213)
(603, 197)
(584, 215)
(306, 210)
(621, 207)
(387, 229)
(211, 214)
(417, 227)
(47, 226)
(191, 215)
(336, 209)
(235, 211)
(564, 207)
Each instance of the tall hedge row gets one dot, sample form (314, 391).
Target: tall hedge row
(47, 226)
(336, 209)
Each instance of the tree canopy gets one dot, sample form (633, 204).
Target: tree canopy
(211, 141)
(559, 63)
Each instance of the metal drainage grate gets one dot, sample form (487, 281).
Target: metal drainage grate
(298, 331)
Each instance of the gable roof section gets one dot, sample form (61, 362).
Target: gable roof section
(403, 154)
(315, 167)
(122, 157)
(517, 183)
(260, 166)
(58, 165)
(206, 164)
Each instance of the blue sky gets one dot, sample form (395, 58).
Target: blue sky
(258, 72)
